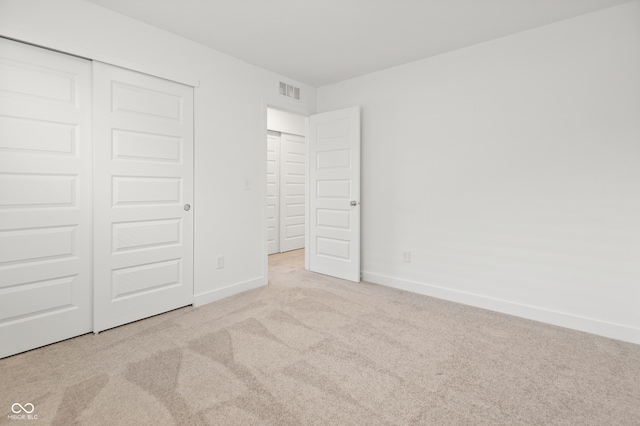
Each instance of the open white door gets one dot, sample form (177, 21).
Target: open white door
(143, 186)
(334, 193)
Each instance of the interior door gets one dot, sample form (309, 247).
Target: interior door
(334, 193)
(45, 197)
(273, 192)
(143, 185)
(292, 191)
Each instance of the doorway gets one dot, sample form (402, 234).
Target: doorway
(331, 190)
(286, 170)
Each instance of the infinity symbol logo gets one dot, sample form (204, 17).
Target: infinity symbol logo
(22, 408)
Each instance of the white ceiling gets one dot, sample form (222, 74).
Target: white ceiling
(320, 42)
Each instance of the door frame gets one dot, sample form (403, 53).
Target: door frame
(282, 105)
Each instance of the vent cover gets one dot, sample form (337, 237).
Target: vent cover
(289, 91)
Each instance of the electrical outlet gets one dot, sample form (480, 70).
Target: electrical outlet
(406, 256)
(220, 262)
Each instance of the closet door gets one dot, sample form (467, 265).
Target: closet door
(45, 197)
(273, 192)
(292, 189)
(143, 185)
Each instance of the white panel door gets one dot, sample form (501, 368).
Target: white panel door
(292, 190)
(273, 192)
(334, 193)
(45, 197)
(143, 181)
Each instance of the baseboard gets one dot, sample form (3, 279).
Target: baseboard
(562, 319)
(230, 290)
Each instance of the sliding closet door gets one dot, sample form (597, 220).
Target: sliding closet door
(143, 185)
(273, 192)
(45, 197)
(292, 189)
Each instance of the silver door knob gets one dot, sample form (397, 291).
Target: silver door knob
(353, 203)
(187, 207)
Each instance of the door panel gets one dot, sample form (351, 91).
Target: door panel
(143, 165)
(45, 197)
(334, 193)
(273, 192)
(292, 198)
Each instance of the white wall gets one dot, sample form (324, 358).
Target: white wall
(230, 121)
(285, 122)
(511, 170)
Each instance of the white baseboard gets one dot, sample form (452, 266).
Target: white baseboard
(221, 293)
(562, 319)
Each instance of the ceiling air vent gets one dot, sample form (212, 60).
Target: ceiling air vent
(289, 91)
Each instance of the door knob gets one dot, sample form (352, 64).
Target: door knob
(187, 207)
(353, 203)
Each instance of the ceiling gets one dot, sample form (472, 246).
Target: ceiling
(319, 42)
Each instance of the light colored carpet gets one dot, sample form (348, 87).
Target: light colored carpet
(314, 350)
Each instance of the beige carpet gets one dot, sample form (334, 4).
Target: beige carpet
(313, 350)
